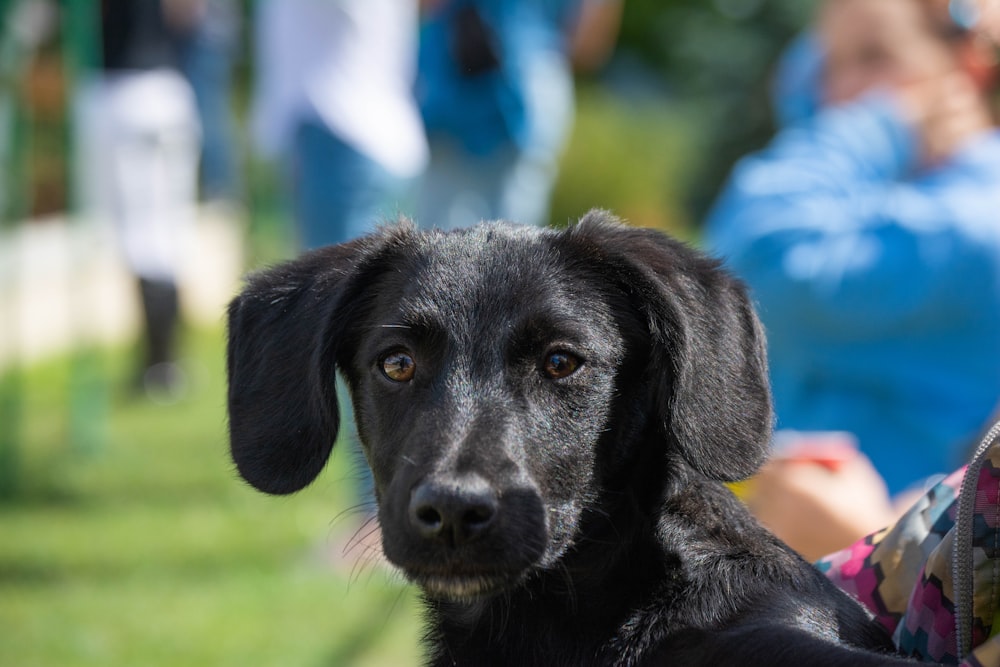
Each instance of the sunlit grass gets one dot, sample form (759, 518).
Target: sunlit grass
(147, 550)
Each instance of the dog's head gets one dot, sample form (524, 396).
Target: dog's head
(502, 378)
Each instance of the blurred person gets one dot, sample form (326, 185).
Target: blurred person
(139, 139)
(333, 102)
(495, 89)
(869, 233)
(207, 58)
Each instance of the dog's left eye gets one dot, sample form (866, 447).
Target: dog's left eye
(559, 365)
(399, 367)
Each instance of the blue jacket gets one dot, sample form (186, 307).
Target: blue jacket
(878, 283)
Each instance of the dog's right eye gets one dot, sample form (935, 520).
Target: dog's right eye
(559, 365)
(399, 367)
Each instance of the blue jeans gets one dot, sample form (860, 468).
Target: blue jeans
(207, 62)
(338, 193)
(460, 189)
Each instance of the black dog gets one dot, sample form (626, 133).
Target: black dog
(549, 417)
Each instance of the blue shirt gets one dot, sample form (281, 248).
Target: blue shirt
(878, 283)
(505, 105)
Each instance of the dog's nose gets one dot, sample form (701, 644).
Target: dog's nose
(454, 511)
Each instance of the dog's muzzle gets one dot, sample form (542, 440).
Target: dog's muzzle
(459, 537)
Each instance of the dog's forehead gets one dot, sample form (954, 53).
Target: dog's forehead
(491, 266)
(486, 254)
(486, 281)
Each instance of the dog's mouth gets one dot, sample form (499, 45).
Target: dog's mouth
(462, 587)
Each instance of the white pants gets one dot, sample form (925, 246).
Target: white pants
(137, 164)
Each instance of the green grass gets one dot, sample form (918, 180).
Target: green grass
(147, 550)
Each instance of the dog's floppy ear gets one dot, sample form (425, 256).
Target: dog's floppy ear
(284, 329)
(716, 404)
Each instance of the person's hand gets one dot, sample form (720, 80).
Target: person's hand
(950, 108)
(947, 111)
(183, 15)
(989, 20)
(818, 509)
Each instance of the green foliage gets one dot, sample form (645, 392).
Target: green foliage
(626, 156)
(149, 551)
(716, 56)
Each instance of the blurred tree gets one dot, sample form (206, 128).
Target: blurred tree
(716, 56)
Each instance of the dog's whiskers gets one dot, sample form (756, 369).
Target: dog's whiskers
(570, 586)
(499, 616)
(365, 508)
(370, 555)
(360, 537)
(395, 604)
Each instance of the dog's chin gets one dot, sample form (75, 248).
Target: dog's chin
(463, 587)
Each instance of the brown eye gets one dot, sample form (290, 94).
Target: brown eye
(399, 367)
(559, 365)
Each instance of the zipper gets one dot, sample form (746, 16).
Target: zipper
(963, 565)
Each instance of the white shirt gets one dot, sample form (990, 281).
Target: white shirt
(350, 64)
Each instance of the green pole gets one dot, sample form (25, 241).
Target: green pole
(11, 378)
(13, 205)
(88, 392)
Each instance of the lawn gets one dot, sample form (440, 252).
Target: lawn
(147, 549)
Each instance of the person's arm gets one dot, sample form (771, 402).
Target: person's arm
(595, 33)
(822, 224)
(183, 16)
(796, 86)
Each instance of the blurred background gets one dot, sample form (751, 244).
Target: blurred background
(125, 535)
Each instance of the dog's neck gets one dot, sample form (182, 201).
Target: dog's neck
(542, 618)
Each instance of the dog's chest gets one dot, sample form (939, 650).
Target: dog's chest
(576, 628)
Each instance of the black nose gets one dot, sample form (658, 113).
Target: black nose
(454, 511)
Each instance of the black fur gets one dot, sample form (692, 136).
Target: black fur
(574, 519)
